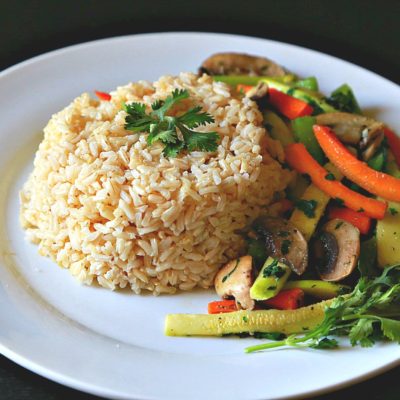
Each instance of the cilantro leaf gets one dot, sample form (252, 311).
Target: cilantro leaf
(390, 328)
(371, 312)
(176, 96)
(325, 343)
(199, 140)
(361, 331)
(165, 128)
(194, 118)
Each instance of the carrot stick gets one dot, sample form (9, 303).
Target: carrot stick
(394, 143)
(103, 95)
(287, 105)
(378, 183)
(301, 160)
(289, 299)
(223, 306)
(359, 220)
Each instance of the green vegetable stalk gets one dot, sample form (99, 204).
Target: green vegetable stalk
(303, 132)
(270, 280)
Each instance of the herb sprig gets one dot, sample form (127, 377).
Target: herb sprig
(175, 132)
(370, 313)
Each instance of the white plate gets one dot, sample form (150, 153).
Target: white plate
(112, 343)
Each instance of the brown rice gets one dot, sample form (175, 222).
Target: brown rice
(104, 204)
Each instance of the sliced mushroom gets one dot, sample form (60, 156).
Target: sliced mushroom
(364, 132)
(240, 64)
(235, 280)
(283, 241)
(258, 92)
(337, 250)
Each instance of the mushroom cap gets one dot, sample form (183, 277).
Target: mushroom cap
(337, 250)
(240, 64)
(234, 280)
(359, 130)
(283, 241)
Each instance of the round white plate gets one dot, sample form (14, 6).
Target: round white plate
(112, 343)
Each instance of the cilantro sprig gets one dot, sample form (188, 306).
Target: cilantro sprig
(368, 314)
(175, 132)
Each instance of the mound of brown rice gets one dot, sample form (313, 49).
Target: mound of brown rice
(104, 204)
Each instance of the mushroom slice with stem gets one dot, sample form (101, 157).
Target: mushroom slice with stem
(258, 92)
(283, 242)
(337, 250)
(353, 129)
(240, 64)
(234, 280)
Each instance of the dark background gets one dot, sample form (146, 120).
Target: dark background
(364, 32)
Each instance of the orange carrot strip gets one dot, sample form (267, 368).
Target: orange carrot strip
(378, 183)
(103, 95)
(394, 144)
(287, 105)
(301, 160)
(223, 306)
(359, 220)
(289, 299)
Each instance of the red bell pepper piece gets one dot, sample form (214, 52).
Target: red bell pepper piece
(359, 220)
(103, 95)
(287, 105)
(394, 143)
(289, 299)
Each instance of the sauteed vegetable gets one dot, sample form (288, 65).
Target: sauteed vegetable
(337, 238)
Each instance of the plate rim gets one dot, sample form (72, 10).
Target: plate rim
(92, 388)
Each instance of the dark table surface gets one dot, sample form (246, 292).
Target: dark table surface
(364, 32)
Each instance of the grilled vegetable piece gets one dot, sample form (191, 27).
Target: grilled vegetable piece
(288, 299)
(270, 280)
(319, 289)
(307, 223)
(277, 128)
(303, 132)
(337, 250)
(286, 321)
(240, 64)
(283, 241)
(235, 280)
(364, 132)
(388, 236)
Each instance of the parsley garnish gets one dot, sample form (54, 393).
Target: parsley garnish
(230, 272)
(308, 207)
(164, 128)
(285, 246)
(338, 225)
(273, 269)
(393, 211)
(330, 177)
(369, 313)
